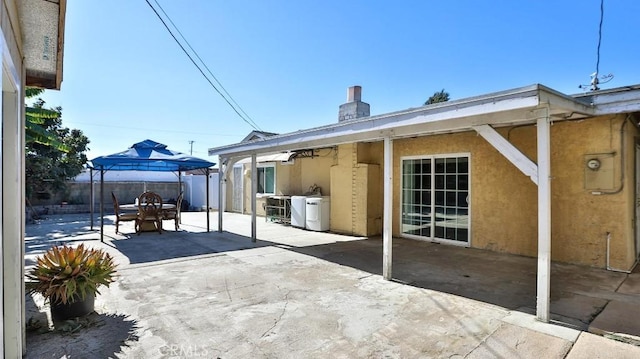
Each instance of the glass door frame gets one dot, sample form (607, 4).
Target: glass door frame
(432, 237)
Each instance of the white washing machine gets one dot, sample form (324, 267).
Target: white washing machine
(318, 213)
(298, 211)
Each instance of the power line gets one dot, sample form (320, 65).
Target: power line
(596, 79)
(255, 127)
(156, 129)
(205, 65)
(599, 37)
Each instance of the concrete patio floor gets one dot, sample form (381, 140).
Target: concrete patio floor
(297, 293)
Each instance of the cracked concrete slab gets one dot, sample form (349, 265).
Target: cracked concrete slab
(596, 347)
(197, 294)
(510, 341)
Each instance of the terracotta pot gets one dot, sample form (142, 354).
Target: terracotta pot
(78, 308)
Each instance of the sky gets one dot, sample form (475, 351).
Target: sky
(288, 63)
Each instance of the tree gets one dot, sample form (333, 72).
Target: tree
(439, 96)
(53, 154)
(35, 119)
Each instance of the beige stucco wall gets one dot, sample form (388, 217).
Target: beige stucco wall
(348, 174)
(582, 220)
(342, 190)
(504, 201)
(356, 190)
(292, 179)
(367, 213)
(371, 155)
(317, 170)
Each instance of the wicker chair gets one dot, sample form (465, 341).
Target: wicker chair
(149, 211)
(174, 214)
(121, 217)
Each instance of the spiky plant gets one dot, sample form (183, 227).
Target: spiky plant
(66, 274)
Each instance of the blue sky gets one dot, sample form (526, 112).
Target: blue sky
(289, 63)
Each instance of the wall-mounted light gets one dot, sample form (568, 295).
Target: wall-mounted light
(593, 164)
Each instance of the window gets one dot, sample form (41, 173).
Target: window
(267, 179)
(435, 198)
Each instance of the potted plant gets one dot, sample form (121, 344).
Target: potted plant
(69, 277)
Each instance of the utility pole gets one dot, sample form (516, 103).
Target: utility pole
(191, 150)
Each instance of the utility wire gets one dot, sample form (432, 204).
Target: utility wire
(205, 65)
(255, 127)
(599, 37)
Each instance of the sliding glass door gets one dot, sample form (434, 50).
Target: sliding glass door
(435, 198)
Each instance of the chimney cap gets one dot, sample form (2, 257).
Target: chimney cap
(354, 94)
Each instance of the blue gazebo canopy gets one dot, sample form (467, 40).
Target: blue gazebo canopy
(149, 155)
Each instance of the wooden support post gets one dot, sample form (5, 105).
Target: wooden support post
(101, 204)
(12, 210)
(254, 192)
(207, 193)
(91, 195)
(387, 239)
(544, 219)
(222, 173)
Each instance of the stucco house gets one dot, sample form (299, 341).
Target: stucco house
(31, 45)
(529, 171)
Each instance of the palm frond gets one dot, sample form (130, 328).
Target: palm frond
(39, 115)
(37, 134)
(33, 92)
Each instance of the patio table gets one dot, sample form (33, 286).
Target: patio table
(134, 207)
(146, 226)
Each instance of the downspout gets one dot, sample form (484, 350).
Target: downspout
(609, 268)
(618, 190)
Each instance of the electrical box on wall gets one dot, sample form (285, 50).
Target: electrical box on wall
(599, 171)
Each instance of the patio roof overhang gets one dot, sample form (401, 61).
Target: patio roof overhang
(537, 105)
(42, 24)
(275, 157)
(506, 108)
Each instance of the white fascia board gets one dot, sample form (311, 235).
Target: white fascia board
(613, 101)
(617, 103)
(448, 116)
(509, 151)
(559, 103)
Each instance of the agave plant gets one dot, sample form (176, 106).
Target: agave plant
(67, 274)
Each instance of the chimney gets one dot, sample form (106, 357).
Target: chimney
(354, 108)
(354, 93)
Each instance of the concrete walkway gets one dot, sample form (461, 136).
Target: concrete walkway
(295, 293)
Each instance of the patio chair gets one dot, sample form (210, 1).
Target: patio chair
(149, 212)
(121, 217)
(174, 214)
